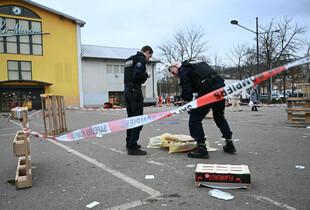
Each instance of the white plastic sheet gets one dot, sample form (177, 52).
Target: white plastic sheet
(220, 194)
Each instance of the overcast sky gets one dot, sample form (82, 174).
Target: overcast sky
(135, 23)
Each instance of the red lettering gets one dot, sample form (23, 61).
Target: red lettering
(220, 178)
(213, 178)
(217, 95)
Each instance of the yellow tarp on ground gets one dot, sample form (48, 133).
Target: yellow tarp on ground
(176, 143)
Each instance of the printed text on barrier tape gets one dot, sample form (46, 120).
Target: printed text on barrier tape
(133, 122)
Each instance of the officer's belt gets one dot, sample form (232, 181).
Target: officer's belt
(209, 81)
(133, 86)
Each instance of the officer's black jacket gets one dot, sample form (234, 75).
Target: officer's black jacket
(199, 80)
(187, 77)
(139, 75)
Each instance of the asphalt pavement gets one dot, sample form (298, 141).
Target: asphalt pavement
(71, 175)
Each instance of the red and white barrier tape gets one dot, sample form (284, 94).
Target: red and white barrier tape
(34, 112)
(273, 105)
(96, 109)
(133, 122)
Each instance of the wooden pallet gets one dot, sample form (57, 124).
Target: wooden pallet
(23, 173)
(298, 110)
(53, 110)
(223, 176)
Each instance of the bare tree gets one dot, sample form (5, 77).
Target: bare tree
(238, 57)
(269, 43)
(306, 70)
(250, 65)
(219, 66)
(185, 44)
(168, 85)
(290, 42)
(280, 42)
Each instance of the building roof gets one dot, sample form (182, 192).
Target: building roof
(118, 53)
(77, 21)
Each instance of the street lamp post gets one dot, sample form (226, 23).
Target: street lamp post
(269, 98)
(235, 22)
(257, 50)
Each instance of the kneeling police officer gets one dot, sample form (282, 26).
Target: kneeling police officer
(134, 76)
(202, 79)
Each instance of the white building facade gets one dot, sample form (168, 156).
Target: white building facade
(103, 76)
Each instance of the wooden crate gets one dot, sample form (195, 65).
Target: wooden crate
(223, 176)
(21, 144)
(20, 113)
(298, 110)
(23, 174)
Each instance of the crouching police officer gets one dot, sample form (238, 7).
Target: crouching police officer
(201, 78)
(135, 75)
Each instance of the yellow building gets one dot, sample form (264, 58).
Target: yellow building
(39, 53)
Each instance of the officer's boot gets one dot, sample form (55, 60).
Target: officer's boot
(229, 147)
(135, 150)
(202, 152)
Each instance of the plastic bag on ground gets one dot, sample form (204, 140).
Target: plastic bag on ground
(181, 146)
(176, 143)
(155, 142)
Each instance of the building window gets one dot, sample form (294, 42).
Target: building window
(14, 38)
(115, 74)
(19, 70)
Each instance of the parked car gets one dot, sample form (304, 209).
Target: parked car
(274, 96)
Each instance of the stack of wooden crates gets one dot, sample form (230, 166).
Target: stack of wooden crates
(21, 148)
(53, 109)
(298, 108)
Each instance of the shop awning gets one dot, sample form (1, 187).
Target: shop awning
(24, 82)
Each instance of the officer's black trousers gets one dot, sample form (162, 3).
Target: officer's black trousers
(198, 114)
(134, 107)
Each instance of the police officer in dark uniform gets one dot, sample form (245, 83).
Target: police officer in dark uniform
(135, 76)
(202, 79)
